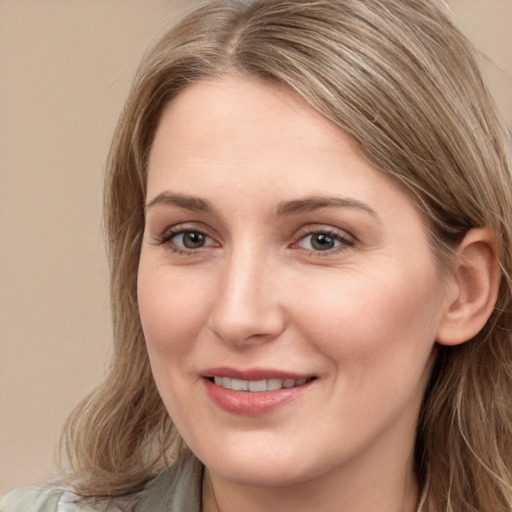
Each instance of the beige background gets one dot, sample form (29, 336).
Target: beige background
(65, 68)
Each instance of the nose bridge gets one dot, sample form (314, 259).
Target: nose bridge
(247, 309)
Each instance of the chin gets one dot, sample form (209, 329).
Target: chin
(259, 473)
(260, 463)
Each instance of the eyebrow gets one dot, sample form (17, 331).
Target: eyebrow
(182, 201)
(309, 204)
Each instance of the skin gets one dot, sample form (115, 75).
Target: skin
(361, 315)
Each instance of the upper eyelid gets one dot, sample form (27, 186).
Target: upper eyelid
(332, 234)
(346, 239)
(319, 228)
(301, 232)
(165, 235)
(181, 227)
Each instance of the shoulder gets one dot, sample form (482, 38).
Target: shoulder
(47, 499)
(36, 499)
(176, 489)
(31, 499)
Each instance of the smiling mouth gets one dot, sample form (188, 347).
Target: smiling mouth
(259, 386)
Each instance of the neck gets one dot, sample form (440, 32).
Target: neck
(386, 491)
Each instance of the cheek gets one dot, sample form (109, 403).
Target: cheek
(172, 310)
(378, 337)
(386, 321)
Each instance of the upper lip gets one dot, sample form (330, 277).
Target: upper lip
(253, 373)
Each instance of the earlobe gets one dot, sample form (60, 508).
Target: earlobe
(472, 289)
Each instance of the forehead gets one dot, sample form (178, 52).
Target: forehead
(248, 123)
(234, 105)
(237, 140)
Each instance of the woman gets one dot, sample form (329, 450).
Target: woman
(308, 211)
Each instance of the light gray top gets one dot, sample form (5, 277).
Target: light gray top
(176, 489)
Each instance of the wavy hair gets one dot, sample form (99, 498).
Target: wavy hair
(402, 80)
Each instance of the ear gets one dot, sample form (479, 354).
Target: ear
(472, 288)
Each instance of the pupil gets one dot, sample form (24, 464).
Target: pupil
(322, 242)
(193, 240)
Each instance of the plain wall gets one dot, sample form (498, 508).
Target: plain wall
(65, 67)
(65, 71)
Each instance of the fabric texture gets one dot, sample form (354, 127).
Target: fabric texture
(176, 489)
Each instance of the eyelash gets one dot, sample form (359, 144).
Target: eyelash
(344, 242)
(166, 239)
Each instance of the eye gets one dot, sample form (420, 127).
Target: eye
(191, 239)
(323, 241)
(181, 239)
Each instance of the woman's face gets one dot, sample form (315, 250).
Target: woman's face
(287, 291)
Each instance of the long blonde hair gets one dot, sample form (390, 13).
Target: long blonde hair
(398, 77)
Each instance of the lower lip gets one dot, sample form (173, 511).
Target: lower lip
(247, 403)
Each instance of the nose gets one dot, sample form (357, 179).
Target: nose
(247, 309)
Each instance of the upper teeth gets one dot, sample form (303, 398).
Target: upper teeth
(257, 385)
